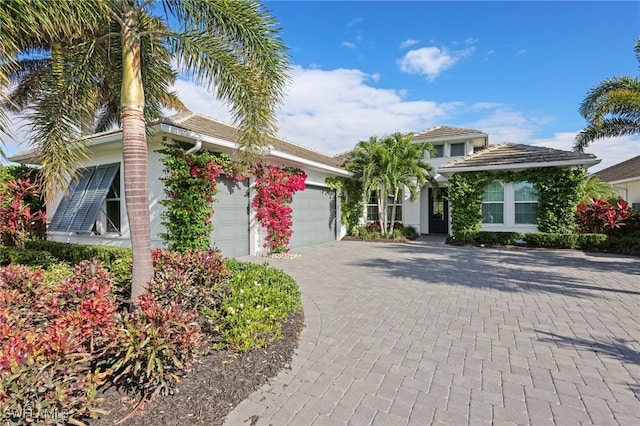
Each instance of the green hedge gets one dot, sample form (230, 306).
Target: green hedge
(551, 240)
(75, 253)
(487, 237)
(28, 257)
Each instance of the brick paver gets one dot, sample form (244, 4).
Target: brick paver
(426, 333)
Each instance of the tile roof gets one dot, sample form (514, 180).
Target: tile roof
(210, 127)
(628, 169)
(518, 154)
(439, 132)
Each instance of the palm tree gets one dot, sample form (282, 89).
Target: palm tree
(611, 108)
(406, 168)
(385, 166)
(36, 82)
(232, 48)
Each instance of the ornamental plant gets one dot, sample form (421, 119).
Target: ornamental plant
(52, 339)
(274, 188)
(18, 220)
(190, 186)
(599, 216)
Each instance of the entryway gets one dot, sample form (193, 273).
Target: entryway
(438, 211)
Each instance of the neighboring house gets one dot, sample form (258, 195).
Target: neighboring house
(506, 206)
(93, 211)
(625, 177)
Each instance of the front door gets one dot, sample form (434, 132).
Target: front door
(438, 211)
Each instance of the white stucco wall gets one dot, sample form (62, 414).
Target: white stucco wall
(111, 152)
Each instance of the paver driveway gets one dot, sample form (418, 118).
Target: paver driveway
(426, 333)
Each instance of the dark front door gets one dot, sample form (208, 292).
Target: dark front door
(438, 211)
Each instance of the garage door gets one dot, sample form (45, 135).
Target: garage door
(231, 218)
(314, 216)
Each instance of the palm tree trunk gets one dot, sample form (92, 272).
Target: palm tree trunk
(393, 211)
(135, 156)
(381, 219)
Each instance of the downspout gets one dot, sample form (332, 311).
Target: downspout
(196, 147)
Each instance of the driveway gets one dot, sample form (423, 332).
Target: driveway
(426, 333)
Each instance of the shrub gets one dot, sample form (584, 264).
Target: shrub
(600, 216)
(194, 280)
(18, 256)
(19, 221)
(157, 345)
(75, 253)
(487, 237)
(261, 297)
(551, 240)
(53, 338)
(592, 241)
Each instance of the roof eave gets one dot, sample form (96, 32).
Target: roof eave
(520, 166)
(450, 138)
(30, 156)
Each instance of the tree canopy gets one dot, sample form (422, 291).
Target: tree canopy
(611, 108)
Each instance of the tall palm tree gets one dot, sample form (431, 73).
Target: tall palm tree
(611, 108)
(84, 77)
(385, 166)
(406, 168)
(231, 47)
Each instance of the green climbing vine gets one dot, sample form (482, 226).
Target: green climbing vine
(559, 191)
(190, 186)
(351, 199)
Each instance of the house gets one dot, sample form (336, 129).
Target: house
(92, 210)
(504, 205)
(625, 177)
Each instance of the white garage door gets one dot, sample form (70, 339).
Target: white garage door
(231, 218)
(314, 216)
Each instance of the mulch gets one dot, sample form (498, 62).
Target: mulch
(216, 384)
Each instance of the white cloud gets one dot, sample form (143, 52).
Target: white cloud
(355, 21)
(330, 111)
(347, 44)
(408, 43)
(431, 61)
(471, 40)
(611, 150)
(504, 124)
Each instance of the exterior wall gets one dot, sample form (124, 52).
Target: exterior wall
(629, 191)
(411, 210)
(112, 153)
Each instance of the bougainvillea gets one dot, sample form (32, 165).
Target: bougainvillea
(600, 216)
(274, 189)
(190, 186)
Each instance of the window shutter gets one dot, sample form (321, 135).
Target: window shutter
(68, 205)
(94, 196)
(79, 208)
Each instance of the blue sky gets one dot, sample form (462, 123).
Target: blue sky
(516, 70)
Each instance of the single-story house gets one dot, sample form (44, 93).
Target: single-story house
(506, 206)
(92, 210)
(625, 177)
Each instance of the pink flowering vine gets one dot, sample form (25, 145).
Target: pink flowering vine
(274, 188)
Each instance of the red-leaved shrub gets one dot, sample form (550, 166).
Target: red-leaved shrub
(600, 216)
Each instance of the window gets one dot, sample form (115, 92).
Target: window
(96, 189)
(438, 151)
(457, 149)
(526, 202)
(493, 203)
(372, 208)
(111, 207)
